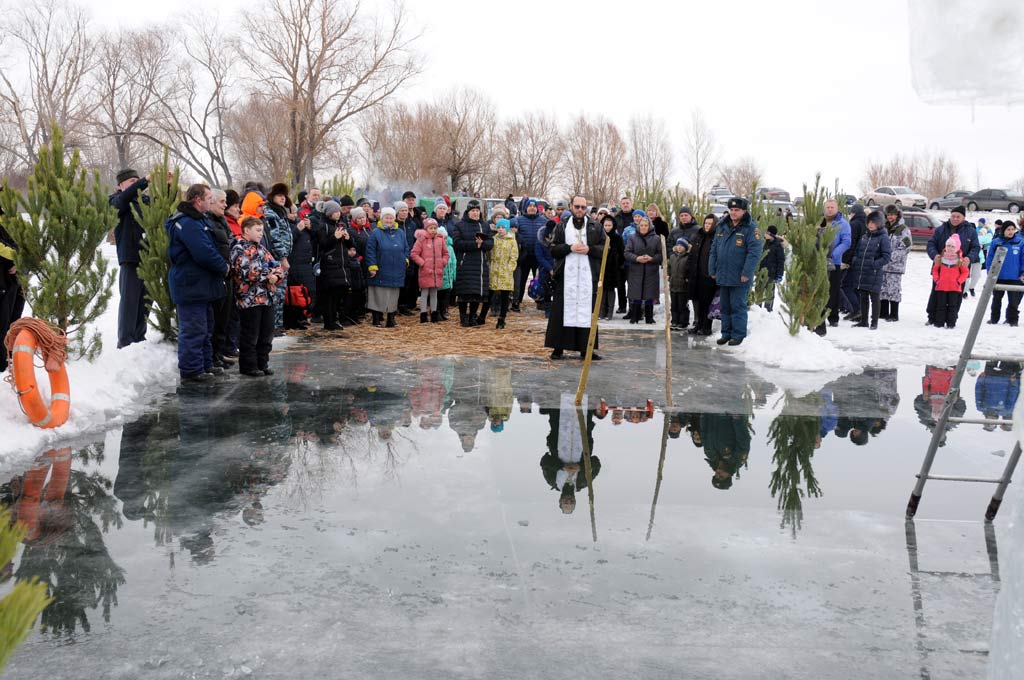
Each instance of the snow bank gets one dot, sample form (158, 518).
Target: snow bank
(104, 393)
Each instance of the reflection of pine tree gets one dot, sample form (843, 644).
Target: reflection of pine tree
(795, 438)
(72, 559)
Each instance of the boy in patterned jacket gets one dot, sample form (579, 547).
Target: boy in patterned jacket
(255, 274)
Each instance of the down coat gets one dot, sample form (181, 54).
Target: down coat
(873, 253)
(387, 254)
(892, 273)
(644, 279)
(431, 256)
(504, 259)
(472, 274)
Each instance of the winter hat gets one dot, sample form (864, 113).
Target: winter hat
(279, 189)
(429, 222)
(531, 201)
(388, 211)
(439, 202)
(232, 197)
(857, 209)
(497, 427)
(641, 213)
(252, 204)
(408, 194)
(126, 174)
(959, 209)
(400, 205)
(346, 200)
(682, 242)
(363, 200)
(357, 213)
(954, 241)
(875, 217)
(738, 202)
(981, 220)
(503, 223)
(302, 196)
(442, 231)
(685, 210)
(330, 207)
(774, 231)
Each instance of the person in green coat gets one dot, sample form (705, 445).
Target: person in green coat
(444, 295)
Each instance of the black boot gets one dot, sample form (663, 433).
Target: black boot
(884, 311)
(482, 319)
(501, 323)
(378, 319)
(391, 321)
(634, 312)
(862, 317)
(464, 315)
(473, 307)
(435, 317)
(894, 311)
(423, 317)
(649, 312)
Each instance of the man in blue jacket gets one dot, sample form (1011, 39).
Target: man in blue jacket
(836, 267)
(735, 253)
(969, 245)
(529, 223)
(196, 281)
(133, 307)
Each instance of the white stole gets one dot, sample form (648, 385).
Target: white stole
(578, 285)
(570, 439)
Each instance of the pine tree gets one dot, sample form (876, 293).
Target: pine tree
(154, 266)
(59, 224)
(794, 438)
(804, 293)
(25, 601)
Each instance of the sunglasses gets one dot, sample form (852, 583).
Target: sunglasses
(579, 207)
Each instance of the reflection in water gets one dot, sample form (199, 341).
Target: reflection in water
(795, 438)
(996, 391)
(934, 387)
(563, 465)
(64, 547)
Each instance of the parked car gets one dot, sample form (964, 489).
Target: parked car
(949, 201)
(922, 225)
(719, 209)
(772, 194)
(901, 196)
(719, 194)
(993, 199)
(847, 199)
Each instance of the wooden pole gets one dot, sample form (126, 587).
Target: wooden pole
(668, 327)
(588, 473)
(657, 482)
(593, 326)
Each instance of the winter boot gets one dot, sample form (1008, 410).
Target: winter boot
(884, 313)
(894, 311)
(464, 315)
(391, 321)
(424, 318)
(634, 312)
(435, 317)
(378, 319)
(649, 312)
(473, 307)
(500, 324)
(482, 319)
(862, 317)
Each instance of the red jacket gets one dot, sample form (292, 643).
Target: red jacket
(431, 256)
(950, 278)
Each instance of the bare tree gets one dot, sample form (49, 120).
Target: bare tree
(399, 144)
(254, 130)
(327, 63)
(743, 176)
(702, 152)
(595, 158)
(130, 67)
(464, 123)
(931, 174)
(49, 43)
(529, 155)
(650, 152)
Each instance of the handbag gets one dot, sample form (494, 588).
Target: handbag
(715, 310)
(298, 296)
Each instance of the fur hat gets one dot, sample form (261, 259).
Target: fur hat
(330, 207)
(126, 174)
(738, 202)
(232, 197)
(279, 189)
(875, 217)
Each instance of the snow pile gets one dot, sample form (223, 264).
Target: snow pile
(105, 392)
(1006, 655)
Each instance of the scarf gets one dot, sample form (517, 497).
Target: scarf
(578, 284)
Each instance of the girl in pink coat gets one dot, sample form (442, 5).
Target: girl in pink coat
(431, 255)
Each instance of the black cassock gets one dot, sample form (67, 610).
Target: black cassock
(558, 336)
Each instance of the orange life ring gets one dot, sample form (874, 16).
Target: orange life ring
(24, 372)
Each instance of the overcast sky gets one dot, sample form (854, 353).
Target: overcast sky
(801, 86)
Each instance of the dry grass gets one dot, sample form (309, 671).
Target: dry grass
(523, 338)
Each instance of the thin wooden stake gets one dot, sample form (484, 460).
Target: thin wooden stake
(661, 467)
(593, 327)
(586, 468)
(668, 326)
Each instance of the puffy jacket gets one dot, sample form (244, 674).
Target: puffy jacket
(774, 259)
(858, 225)
(644, 278)
(872, 254)
(357, 265)
(900, 243)
(542, 251)
(1013, 263)
(251, 264)
(968, 234)
(623, 220)
(279, 230)
(388, 255)
(698, 266)
(473, 275)
(335, 264)
(128, 234)
(616, 258)
(221, 234)
(431, 256)
(736, 251)
(843, 239)
(451, 268)
(997, 389)
(677, 270)
(529, 226)
(950, 278)
(197, 268)
(504, 258)
(305, 248)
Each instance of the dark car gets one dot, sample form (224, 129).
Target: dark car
(922, 225)
(993, 199)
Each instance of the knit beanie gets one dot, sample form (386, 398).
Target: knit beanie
(954, 240)
(330, 207)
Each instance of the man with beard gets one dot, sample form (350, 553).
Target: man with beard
(576, 247)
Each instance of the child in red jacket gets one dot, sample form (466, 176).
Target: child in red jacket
(949, 276)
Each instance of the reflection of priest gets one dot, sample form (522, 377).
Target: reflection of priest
(726, 445)
(563, 465)
(577, 247)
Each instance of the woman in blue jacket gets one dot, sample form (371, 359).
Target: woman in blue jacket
(387, 256)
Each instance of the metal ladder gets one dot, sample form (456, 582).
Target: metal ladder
(945, 419)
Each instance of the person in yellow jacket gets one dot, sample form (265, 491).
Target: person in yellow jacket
(504, 258)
